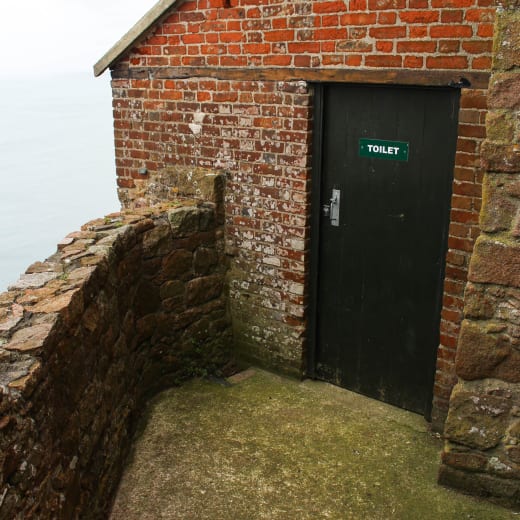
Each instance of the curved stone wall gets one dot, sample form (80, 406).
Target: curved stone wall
(127, 306)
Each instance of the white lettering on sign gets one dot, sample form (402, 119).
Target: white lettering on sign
(387, 150)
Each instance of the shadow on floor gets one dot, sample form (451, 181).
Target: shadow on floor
(267, 447)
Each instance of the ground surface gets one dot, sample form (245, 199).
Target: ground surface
(272, 448)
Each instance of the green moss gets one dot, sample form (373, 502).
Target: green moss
(274, 448)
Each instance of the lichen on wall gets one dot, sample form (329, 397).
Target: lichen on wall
(483, 426)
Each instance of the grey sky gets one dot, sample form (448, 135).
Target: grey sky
(53, 36)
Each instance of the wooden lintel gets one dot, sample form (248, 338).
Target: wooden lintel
(433, 78)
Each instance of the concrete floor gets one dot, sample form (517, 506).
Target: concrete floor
(267, 447)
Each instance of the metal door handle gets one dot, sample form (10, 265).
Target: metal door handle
(331, 210)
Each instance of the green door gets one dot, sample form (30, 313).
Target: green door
(385, 157)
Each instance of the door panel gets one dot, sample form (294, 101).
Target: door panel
(380, 270)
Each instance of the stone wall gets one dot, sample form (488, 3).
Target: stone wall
(207, 88)
(482, 454)
(130, 304)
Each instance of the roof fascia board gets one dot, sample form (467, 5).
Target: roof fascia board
(133, 35)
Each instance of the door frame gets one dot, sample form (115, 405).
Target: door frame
(315, 219)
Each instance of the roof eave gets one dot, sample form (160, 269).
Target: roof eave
(133, 35)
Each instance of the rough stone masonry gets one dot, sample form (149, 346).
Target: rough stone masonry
(127, 306)
(482, 452)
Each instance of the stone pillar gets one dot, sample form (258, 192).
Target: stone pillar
(482, 452)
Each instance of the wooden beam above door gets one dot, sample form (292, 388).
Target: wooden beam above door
(433, 78)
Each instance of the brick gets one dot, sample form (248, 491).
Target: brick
(335, 6)
(480, 15)
(387, 32)
(419, 16)
(454, 4)
(481, 63)
(383, 61)
(331, 20)
(485, 30)
(384, 46)
(358, 19)
(413, 62)
(279, 36)
(303, 47)
(418, 31)
(473, 99)
(330, 34)
(416, 47)
(452, 16)
(256, 48)
(449, 46)
(386, 18)
(452, 62)
(477, 47)
(227, 37)
(462, 244)
(451, 31)
(375, 5)
(466, 130)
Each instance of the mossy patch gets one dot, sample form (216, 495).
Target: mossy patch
(268, 447)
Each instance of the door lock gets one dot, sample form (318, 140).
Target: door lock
(331, 210)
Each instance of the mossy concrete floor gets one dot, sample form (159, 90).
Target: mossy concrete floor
(267, 447)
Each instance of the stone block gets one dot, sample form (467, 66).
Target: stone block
(178, 264)
(172, 289)
(69, 301)
(184, 221)
(158, 240)
(204, 259)
(500, 205)
(32, 339)
(203, 238)
(147, 299)
(207, 219)
(479, 303)
(506, 46)
(500, 157)
(476, 420)
(34, 280)
(513, 454)
(504, 91)
(212, 186)
(501, 490)
(495, 261)
(509, 4)
(501, 126)
(178, 181)
(468, 460)
(203, 289)
(480, 352)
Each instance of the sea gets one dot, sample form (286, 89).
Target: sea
(57, 168)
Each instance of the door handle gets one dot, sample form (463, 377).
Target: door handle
(331, 209)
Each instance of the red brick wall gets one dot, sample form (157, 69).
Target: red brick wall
(259, 132)
(430, 34)
(465, 208)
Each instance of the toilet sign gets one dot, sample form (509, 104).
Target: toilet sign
(392, 150)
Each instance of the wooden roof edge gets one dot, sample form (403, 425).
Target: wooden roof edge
(133, 35)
